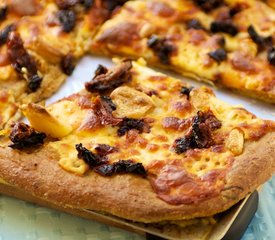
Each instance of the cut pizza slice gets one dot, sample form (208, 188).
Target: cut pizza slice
(229, 44)
(139, 145)
(40, 44)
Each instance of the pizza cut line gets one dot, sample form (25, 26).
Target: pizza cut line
(134, 136)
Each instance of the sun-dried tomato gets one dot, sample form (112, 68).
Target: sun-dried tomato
(226, 27)
(109, 102)
(67, 19)
(262, 42)
(3, 13)
(105, 170)
(68, 64)
(194, 24)
(130, 123)
(4, 33)
(99, 162)
(161, 47)
(186, 91)
(87, 4)
(208, 5)
(100, 70)
(23, 136)
(88, 156)
(103, 108)
(122, 166)
(271, 56)
(218, 55)
(104, 149)
(236, 9)
(112, 4)
(22, 61)
(200, 134)
(111, 79)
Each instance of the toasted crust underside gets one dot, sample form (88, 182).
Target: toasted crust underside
(128, 196)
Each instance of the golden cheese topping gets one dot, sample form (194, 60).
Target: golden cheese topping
(182, 136)
(230, 45)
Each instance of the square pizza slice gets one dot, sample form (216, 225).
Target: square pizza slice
(40, 44)
(225, 43)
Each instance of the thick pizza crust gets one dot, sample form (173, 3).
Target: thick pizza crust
(128, 196)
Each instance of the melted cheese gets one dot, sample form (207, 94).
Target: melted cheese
(157, 144)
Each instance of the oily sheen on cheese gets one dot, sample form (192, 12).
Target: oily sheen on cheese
(156, 98)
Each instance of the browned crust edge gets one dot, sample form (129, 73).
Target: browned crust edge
(127, 196)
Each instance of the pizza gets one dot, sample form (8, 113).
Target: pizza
(140, 145)
(135, 143)
(41, 42)
(225, 43)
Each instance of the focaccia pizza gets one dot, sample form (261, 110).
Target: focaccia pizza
(139, 145)
(226, 43)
